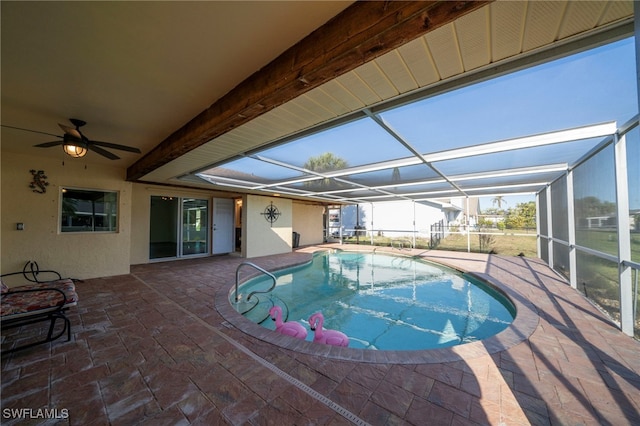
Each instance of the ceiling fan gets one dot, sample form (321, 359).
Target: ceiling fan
(76, 144)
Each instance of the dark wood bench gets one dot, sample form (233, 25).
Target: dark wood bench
(40, 296)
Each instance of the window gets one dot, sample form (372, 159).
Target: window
(86, 210)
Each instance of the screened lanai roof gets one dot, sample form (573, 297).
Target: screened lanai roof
(511, 135)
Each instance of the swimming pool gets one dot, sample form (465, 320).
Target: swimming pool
(382, 301)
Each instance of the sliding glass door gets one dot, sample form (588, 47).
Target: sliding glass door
(195, 219)
(179, 227)
(163, 228)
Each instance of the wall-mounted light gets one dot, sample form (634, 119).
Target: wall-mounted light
(75, 151)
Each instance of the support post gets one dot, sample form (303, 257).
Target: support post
(413, 245)
(538, 218)
(549, 226)
(372, 229)
(467, 226)
(624, 240)
(573, 273)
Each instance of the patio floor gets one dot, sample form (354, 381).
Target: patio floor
(152, 347)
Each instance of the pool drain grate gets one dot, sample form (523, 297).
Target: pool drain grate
(290, 379)
(321, 398)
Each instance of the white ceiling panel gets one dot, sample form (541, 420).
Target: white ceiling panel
(322, 97)
(337, 91)
(397, 71)
(283, 118)
(357, 87)
(616, 10)
(264, 128)
(240, 136)
(445, 50)
(302, 116)
(543, 23)
(420, 62)
(507, 28)
(580, 18)
(317, 112)
(272, 124)
(376, 80)
(473, 34)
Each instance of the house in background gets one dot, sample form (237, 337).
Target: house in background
(402, 218)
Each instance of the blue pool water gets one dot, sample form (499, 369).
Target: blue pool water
(382, 301)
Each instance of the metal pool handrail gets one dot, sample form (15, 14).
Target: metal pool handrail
(264, 271)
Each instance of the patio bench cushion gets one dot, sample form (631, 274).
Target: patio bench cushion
(37, 301)
(37, 298)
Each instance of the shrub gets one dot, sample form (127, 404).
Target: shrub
(486, 242)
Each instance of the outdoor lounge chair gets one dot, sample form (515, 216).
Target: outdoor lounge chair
(42, 296)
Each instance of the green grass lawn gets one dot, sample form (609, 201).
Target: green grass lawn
(506, 243)
(598, 278)
(607, 241)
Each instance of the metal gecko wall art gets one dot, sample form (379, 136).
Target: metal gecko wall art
(39, 183)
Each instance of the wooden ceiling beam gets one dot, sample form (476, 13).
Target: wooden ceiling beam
(362, 32)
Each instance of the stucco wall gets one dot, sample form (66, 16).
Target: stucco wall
(307, 221)
(261, 237)
(90, 255)
(78, 255)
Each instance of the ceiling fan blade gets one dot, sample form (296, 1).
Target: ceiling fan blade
(29, 130)
(70, 131)
(116, 146)
(102, 152)
(48, 144)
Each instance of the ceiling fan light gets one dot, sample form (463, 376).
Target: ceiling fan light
(74, 151)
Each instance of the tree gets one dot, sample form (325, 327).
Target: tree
(499, 199)
(324, 163)
(522, 216)
(593, 206)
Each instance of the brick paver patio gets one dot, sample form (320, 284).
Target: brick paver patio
(157, 347)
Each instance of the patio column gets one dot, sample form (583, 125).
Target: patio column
(467, 226)
(636, 26)
(372, 230)
(549, 226)
(341, 226)
(571, 219)
(538, 217)
(414, 224)
(624, 240)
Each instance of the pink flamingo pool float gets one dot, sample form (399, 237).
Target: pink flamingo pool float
(293, 329)
(328, 337)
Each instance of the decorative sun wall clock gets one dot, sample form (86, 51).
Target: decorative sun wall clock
(271, 213)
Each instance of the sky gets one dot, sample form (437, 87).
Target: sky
(583, 89)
